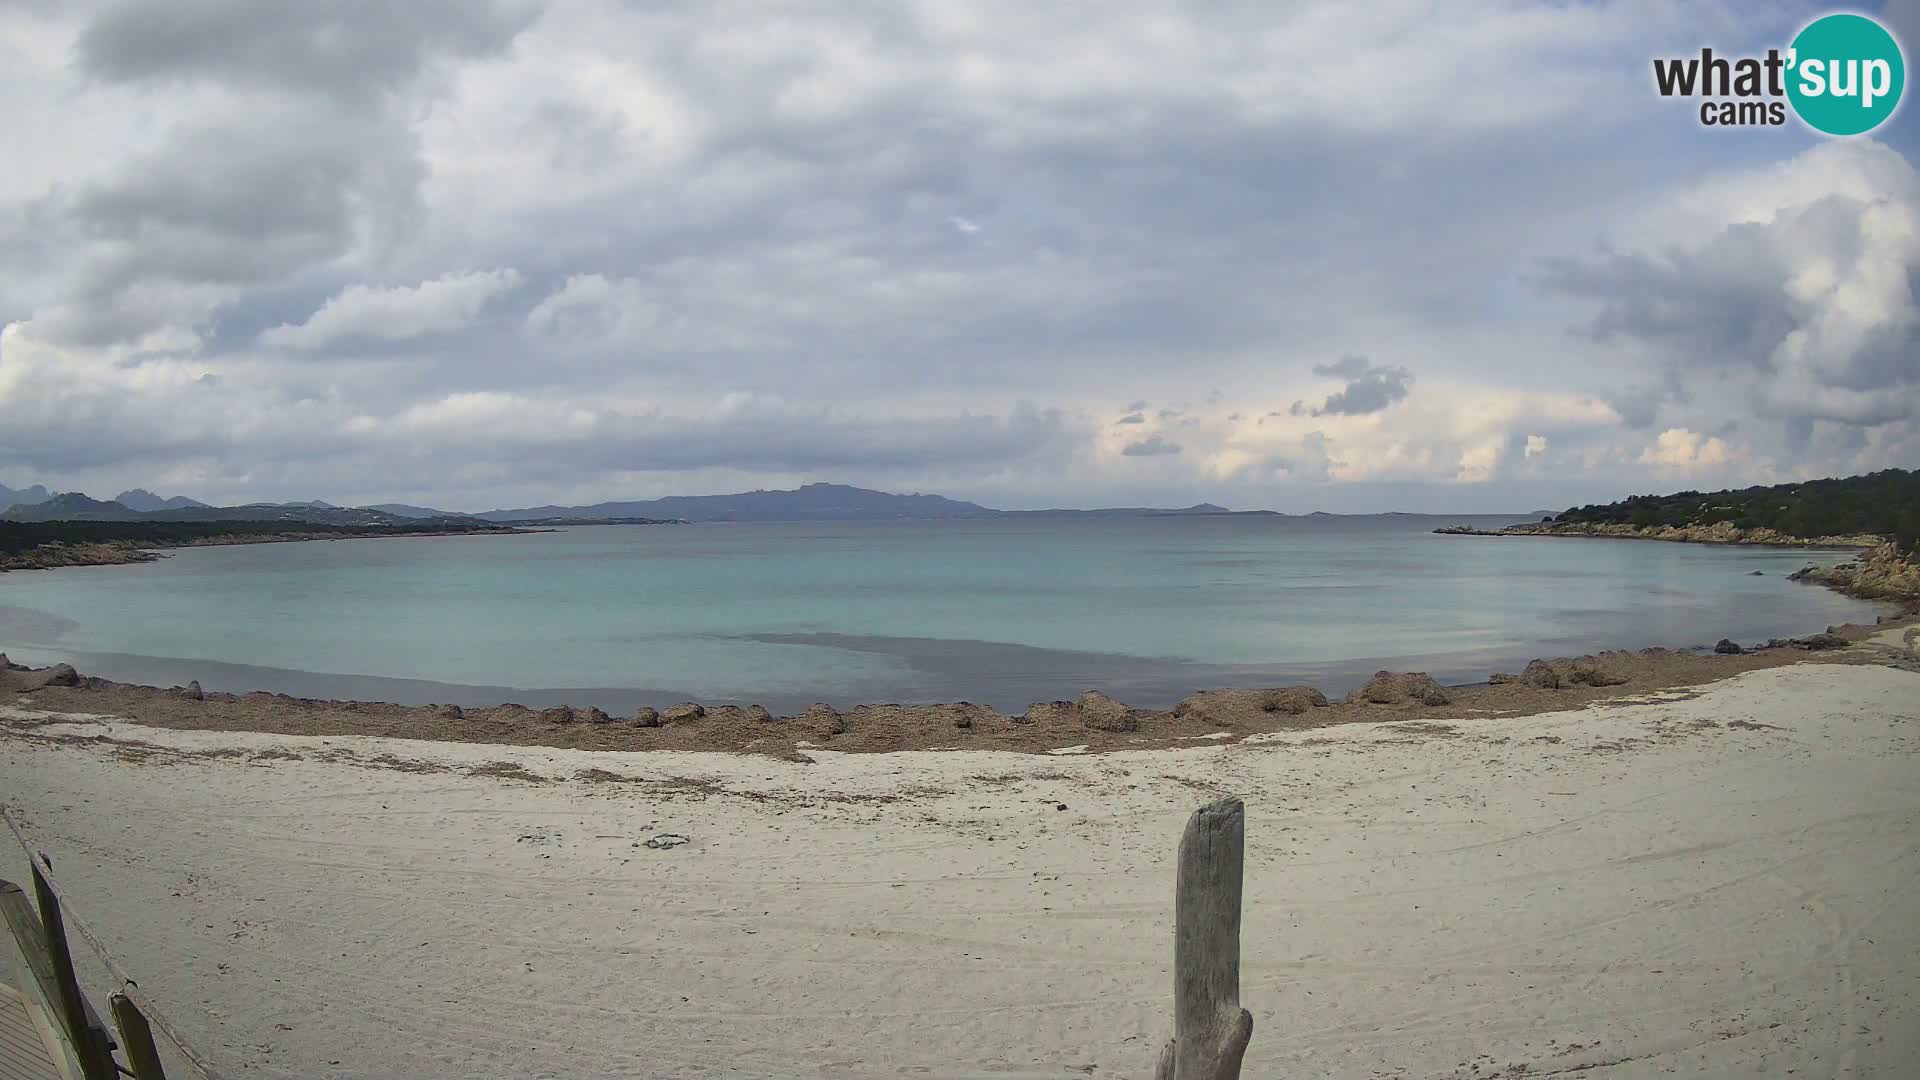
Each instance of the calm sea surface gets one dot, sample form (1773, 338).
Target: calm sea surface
(999, 612)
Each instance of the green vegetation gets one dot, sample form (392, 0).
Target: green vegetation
(18, 537)
(1885, 503)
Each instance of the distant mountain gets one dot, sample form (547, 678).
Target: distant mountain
(1196, 510)
(814, 502)
(73, 506)
(70, 506)
(406, 511)
(145, 501)
(23, 496)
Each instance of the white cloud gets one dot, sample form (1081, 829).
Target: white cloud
(440, 306)
(1678, 448)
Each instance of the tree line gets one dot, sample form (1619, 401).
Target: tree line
(1885, 503)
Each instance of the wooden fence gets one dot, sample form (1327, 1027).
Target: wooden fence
(1210, 1029)
(40, 927)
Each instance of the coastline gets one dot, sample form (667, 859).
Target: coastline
(1720, 533)
(1092, 723)
(57, 555)
(1095, 720)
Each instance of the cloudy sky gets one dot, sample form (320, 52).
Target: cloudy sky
(1343, 256)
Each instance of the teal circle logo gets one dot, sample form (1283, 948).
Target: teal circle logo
(1845, 74)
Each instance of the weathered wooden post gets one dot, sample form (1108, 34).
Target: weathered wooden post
(1210, 1029)
(91, 1044)
(138, 1037)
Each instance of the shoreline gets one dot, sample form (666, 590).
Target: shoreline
(1092, 723)
(1722, 534)
(59, 555)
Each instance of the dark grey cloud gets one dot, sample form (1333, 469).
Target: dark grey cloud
(1739, 312)
(1152, 446)
(832, 214)
(1369, 388)
(337, 47)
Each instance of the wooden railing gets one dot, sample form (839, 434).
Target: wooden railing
(1210, 1029)
(42, 937)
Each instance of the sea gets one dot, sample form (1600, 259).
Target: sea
(1003, 612)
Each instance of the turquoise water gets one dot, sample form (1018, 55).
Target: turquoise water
(1001, 612)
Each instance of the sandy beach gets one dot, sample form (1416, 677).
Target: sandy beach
(1715, 881)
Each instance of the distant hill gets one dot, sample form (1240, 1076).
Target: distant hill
(73, 506)
(1885, 503)
(23, 496)
(1197, 510)
(145, 501)
(814, 502)
(69, 506)
(406, 511)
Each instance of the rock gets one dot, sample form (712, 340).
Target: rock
(596, 716)
(667, 840)
(5, 664)
(1502, 678)
(966, 715)
(1726, 647)
(824, 719)
(57, 675)
(1292, 700)
(559, 714)
(1757, 573)
(1801, 574)
(646, 716)
(1540, 675)
(449, 712)
(684, 713)
(1822, 642)
(1101, 713)
(192, 691)
(1589, 674)
(1393, 688)
(1050, 712)
(1059, 806)
(759, 714)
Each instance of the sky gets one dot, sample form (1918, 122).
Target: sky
(1314, 256)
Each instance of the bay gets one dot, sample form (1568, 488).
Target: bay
(1002, 611)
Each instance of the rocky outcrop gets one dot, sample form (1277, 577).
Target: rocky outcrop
(684, 713)
(559, 714)
(449, 712)
(1098, 712)
(1051, 712)
(1880, 574)
(759, 714)
(824, 720)
(192, 691)
(1247, 708)
(1727, 647)
(1396, 688)
(36, 679)
(646, 716)
(593, 716)
(1722, 532)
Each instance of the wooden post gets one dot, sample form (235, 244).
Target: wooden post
(1210, 1029)
(138, 1039)
(91, 1043)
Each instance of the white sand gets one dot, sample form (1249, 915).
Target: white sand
(1653, 893)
